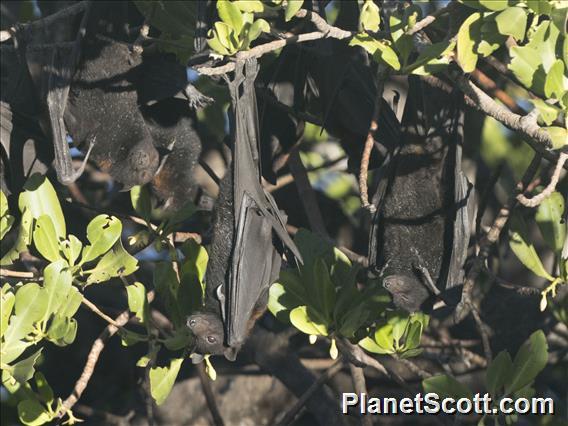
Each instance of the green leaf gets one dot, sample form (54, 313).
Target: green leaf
(192, 286)
(384, 337)
(220, 39)
(7, 299)
(292, 8)
(301, 320)
(230, 14)
(468, 33)
(57, 285)
(45, 239)
(554, 83)
(181, 339)
(498, 372)
(6, 221)
(251, 6)
(380, 50)
(413, 336)
(529, 361)
(559, 15)
(141, 201)
(512, 21)
(488, 4)
(531, 62)
(32, 413)
(370, 345)
(446, 387)
(549, 219)
(102, 232)
(24, 370)
(523, 248)
(3, 204)
(40, 198)
(71, 248)
(62, 330)
(72, 303)
(547, 113)
(432, 59)
(539, 7)
(116, 263)
(559, 136)
(370, 17)
(137, 302)
(323, 299)
(44, 390)
(258, 27)
(162, 380)
(167, 285)
(23, 239)
(30, 307)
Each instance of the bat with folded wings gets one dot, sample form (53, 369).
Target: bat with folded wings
(249, 235)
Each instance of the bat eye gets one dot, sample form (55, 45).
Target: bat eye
(192, 323)
(211, 339)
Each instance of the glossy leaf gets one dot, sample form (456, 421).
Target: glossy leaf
(32, 413)
(498, 372)
(529, 361)
(162, 380)
(24, 370)
(40, 198)
(512, 21)
(550, 221)
(468, 33)
(370, 16)
(141, 201)
(301, 320)
(102, 232)
(292, 8)
(7, 299)
(559, 136)
(57, 283)
(117, 262)
(137, 302)
(45, 239)
(522, 247)
(230, 14)
(554, 84)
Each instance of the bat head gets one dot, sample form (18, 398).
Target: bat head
(209, 334)
(407, 292)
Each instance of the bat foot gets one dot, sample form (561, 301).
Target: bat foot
(66, 179)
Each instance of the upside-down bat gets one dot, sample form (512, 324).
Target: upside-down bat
(249, 234)
(420, 232)
(134, 110)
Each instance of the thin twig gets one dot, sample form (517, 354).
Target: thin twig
(483, 332)
(420, 25)
(358, 376)
(501, 114)
(209, 395)
(324, 31)
(291, 414)
(423, 374)
(17, 274)
(369, 142)
(92, 359)
(537, 199)
(357, 356)
(100, 313)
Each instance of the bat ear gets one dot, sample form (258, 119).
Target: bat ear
(231, 353)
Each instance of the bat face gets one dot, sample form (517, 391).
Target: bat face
(208, 330)
(407, 292)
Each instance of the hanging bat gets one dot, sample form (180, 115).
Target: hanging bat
(420, 231)
(249, 235)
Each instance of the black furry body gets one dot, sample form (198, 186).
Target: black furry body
(421, 221)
